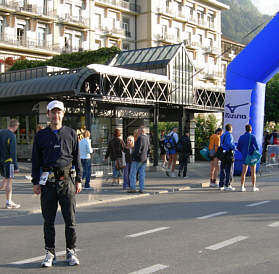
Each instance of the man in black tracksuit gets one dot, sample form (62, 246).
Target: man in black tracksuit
(55, 153)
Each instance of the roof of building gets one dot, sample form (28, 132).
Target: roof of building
(145, 58)
(65, 83)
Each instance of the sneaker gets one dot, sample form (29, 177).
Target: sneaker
(167, 173)
(71, 257)
(132, 191)
(185, 177)
(221, 188)
(141, 191)
(255, 189)
(229, 188)
(49, 260)
(87, 188)
(28, 177)
(12, 205)
(213, 185)
(179, 175)
(172, 175)
(243, 189)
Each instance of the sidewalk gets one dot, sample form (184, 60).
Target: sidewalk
(103, 192)
(156, 183)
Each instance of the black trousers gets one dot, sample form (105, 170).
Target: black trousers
(62, 192)
(183, 163)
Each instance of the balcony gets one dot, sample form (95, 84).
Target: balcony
(72, 19)
(70, 49)
(213, 75)
(212, 50)
(114, 32)
(120, 4)
(166, 37)
(19, 41)
(192, 45)
(29, 8)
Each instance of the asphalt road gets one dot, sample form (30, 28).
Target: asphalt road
(197, 231)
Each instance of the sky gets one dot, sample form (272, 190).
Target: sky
(269, 7)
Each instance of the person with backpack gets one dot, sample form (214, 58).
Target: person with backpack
(184, 149)
(170, 143)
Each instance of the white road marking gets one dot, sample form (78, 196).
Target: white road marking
(259, 203)
(276, 224)
(148, 232)
(150, 269)
(212, 215)
(227, 242)
(35, 259)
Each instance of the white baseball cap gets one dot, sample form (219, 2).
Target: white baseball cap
(55, 104)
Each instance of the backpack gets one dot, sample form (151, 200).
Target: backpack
(170, 142)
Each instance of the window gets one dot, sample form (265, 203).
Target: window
(98, 44)
(77, 12)
(97, 21)
(42, 6)
(41, 35)
(210, 42)
(68, 41)
(200, 38)
(68, 9)
(177, 32)
(126, 46)
(126, 26)
(20, 31)
(77, 42)
(164, 30)
(1, 26)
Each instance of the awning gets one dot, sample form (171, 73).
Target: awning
(56, 84)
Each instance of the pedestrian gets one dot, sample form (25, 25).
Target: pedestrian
(114, 151)
(8, 161)
(128, 157)
(214, 143)
(227, 165)
(163, 152)
(139, 159)
(170, 142)
(184, 149)
(55, 152)
(85, 156)
(247, 143)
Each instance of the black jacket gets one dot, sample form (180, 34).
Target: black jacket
(115, 148)
(186, 145)
(55, 150)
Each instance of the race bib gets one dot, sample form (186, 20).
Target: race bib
(43, 178)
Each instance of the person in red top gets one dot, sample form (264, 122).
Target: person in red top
(214, 143)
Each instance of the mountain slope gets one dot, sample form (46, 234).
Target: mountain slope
(240, 19)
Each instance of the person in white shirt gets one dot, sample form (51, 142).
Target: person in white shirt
(85, 156)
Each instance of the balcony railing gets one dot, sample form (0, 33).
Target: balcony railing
(192, 44)
(113, 31)
(121, 4)
(32, 8)
(20, 41)
(214, 75)
(212, 50)
(80, 20)
(166, 37)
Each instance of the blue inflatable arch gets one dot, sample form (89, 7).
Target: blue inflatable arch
(246, 80)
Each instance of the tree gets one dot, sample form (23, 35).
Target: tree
(205, 127)
(71, 60)
(272, 100)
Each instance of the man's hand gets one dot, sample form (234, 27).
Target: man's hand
(16, 170)
(37, 189)
(78, 187)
